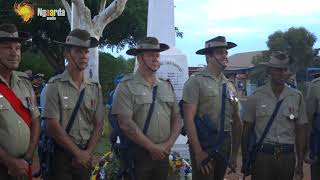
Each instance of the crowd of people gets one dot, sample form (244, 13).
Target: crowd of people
(277, 119)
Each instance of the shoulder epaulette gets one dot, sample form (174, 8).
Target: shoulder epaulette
(54, 78)
(95, 83)
(169, 82)
(22, 75)
(261, 88)
(294, 90)
(197, 73)
(127, 77)
(316, 80)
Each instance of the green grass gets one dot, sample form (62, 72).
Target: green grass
(104, 143)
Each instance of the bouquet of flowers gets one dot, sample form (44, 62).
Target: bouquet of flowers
(178, 166)
(107, 168)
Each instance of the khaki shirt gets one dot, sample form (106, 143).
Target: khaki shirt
(205, 91)
(313, 99)
(133, 98)
(14, 132)
(261, 105)
(60, 99)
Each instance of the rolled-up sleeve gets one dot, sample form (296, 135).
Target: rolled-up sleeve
(191, 91)
(122, 101)
(51, 103)
(249, 114)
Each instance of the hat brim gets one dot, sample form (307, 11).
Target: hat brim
(134, 51)
(205, 51)
(93, 43)
(267, 64)
(23, 36)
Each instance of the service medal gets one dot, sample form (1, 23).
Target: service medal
(291, 116)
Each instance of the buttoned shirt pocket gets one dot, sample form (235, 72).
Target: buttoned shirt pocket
(28, 102)
(209, 94)
(66, 103)
(91, 104)
(210, 91)
(263, 110)
(167, 98)
(4, 106)
(142, 99)
(290, 110)
(90, 99)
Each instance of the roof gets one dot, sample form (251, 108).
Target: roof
(241, 61)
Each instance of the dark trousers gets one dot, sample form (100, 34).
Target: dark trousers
(219, 164)
(61, 168)
(5, 176)
(275, 167)
(315, 171)
(147, 169)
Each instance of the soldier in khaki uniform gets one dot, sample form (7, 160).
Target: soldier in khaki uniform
(276, 157)
(202, 96)
(17, 139)
(313, 112)
(132, 100)
(73, 157)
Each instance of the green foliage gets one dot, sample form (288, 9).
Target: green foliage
(126, 29)
(109, 67)
(37, 63)
(298, 43)
(258, 75)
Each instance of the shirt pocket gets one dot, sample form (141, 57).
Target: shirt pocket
(4, 106)
(210, 91)
(290, 111)
(142, 99)
(166, 98)
(28, 102)
(66, 103)
(263, 110)
(90, 101)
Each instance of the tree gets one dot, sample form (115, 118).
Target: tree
(258, 74)
(128, 28)
(297, 42)
(110, 67)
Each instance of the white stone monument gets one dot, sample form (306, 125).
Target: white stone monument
(173, 62)
(161, 25)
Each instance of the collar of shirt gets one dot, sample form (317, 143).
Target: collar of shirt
(139, 79)
(206, 72)
(65, 76)
(284, 93)
(13, 80)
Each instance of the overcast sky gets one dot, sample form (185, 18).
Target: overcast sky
(248, 23)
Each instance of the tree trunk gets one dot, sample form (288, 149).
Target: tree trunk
(81, 18)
